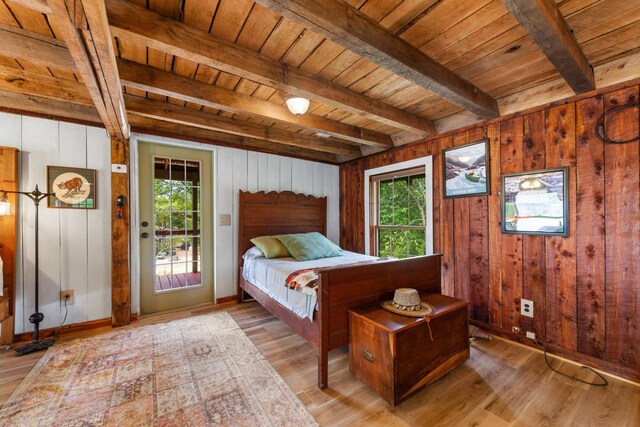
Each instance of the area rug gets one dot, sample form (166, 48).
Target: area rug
(197, 371)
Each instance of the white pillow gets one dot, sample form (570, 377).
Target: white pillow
(253, 253)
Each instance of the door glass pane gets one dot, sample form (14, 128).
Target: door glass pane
(177, 234)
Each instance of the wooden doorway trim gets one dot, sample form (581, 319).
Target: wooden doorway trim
(120, 233)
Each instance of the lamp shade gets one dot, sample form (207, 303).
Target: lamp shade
(5, 208)
(297, 105)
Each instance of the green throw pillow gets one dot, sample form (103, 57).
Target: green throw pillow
(308, 246)
(271, 246)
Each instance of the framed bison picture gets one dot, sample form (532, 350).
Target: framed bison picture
(73, 187)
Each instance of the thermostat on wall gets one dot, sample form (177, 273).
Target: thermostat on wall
(116, 168)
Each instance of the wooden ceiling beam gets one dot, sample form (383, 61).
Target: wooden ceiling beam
(347, 26)
(151, 79)
(22, 103)
(177, 130)
(42, 85)
(188, 116)
(38, 5)
(33, 47)
(149, 28)
(85, 30)
(545, 24)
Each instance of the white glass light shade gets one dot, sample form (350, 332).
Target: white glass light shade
(5, 208)
(297, 105)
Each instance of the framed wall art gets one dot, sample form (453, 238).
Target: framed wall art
(465, 170)
(73, 187)
(536, 202)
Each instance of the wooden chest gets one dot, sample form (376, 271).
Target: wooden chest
(395, 354)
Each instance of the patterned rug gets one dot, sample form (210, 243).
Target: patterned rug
(197, 371)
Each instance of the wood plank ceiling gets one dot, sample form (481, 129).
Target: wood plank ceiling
(379, 72)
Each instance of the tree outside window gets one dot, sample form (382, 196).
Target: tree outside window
(400, 226)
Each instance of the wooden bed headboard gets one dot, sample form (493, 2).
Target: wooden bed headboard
(265, 214)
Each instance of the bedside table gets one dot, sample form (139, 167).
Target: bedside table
(395, 354)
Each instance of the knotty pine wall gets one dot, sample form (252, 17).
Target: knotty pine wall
(585, 287)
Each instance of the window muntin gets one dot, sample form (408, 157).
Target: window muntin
(177, 240)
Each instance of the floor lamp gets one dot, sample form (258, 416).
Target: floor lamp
(5, 209)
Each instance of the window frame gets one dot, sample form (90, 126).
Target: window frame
(375, 226)
(425, 163)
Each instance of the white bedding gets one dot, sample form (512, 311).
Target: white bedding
(270, 275)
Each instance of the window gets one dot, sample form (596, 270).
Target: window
(399, 214)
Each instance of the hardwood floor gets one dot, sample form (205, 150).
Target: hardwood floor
(503, 384)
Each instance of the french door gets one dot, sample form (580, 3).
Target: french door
(176, 232)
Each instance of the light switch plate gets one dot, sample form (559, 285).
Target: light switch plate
(224, 220)
(531, 335)
(526, 307)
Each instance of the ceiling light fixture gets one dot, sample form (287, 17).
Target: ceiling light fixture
(297, 105)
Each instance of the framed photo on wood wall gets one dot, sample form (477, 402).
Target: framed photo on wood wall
(536, 202)
(465, 170)
(73, 187)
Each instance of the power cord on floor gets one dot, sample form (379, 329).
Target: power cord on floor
(546, 359)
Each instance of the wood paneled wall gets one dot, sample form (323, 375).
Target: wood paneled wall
(585, 287)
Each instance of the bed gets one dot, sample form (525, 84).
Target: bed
(339, 288)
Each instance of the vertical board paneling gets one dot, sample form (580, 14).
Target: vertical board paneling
(225, 256)
(252, 171)
(561, 271)
(511, 133)
(330, 188)
(495, 238)
(273, 172)
(40, 148)
(99, 226)
(285, 174)
(590, 229)
(307, 177)
(318, 179)
(263, 172)
(461, 236)
(73, 228)
(447, 236)
(240, 182)
(623, 222)
(533, 247)
(297, 175)
(478, 248)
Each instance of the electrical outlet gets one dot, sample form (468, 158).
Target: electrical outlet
(515, 329)
(531, 335)
(64, 294)
(526, 307)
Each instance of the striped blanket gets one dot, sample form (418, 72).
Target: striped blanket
(306, 280)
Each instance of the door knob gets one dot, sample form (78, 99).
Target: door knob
(144, 235)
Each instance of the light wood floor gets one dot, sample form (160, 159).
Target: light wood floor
(503, 384)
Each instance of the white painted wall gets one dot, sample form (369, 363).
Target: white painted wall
(75, 248)
(237, 170)
(75, 245)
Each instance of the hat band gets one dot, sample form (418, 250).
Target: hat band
(416, 307)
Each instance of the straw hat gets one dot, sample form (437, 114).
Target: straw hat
(406, 301)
